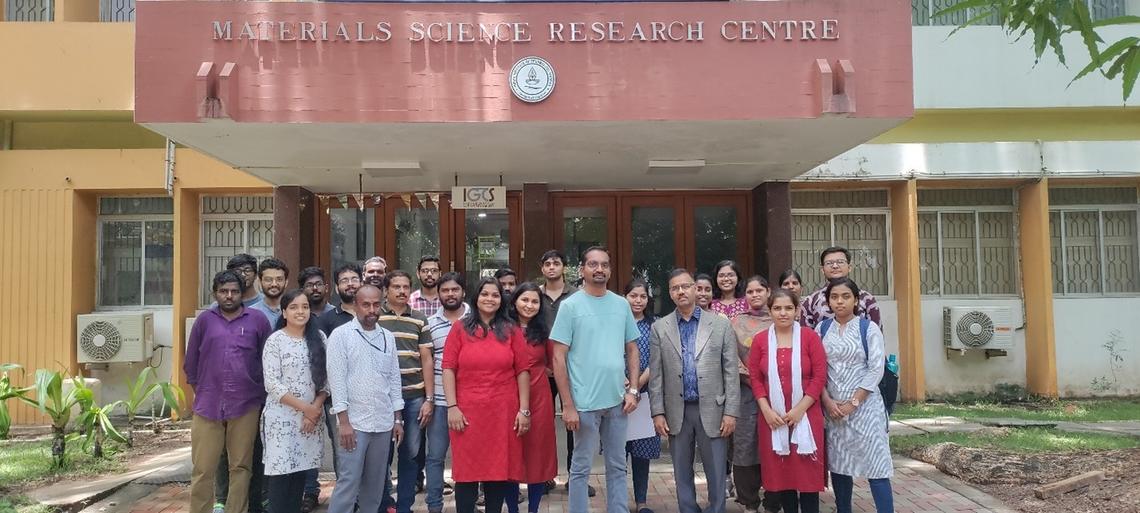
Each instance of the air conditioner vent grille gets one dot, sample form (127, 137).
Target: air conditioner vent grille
(101, 340)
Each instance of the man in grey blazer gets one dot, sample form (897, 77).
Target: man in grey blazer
(694, 391)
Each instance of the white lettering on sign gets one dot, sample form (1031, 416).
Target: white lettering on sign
(462, 32)
(479, 198)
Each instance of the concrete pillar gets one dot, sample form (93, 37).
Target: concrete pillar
(907, 289)
(772, 228)
(294, 228)
(1037, 288)
(537, 233)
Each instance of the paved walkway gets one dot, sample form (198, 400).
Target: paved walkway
(919, 488)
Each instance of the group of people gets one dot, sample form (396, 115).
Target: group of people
(748, 375)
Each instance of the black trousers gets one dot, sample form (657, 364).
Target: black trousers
(286, 492)
(796, 502)
(494, 494)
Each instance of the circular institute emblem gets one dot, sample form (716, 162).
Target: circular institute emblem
(532, 79)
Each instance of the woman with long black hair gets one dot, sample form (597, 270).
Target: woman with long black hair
(540, 447)
(728, 295)
(486, 379)
(642, 450)
(292, 432)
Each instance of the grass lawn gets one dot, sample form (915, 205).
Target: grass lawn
(22, 504)
(23, 462)
(1074, 411)
(1030, 440)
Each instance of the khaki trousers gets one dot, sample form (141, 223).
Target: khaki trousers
(208, 438)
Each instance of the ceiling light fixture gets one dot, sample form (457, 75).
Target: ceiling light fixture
(392, 169)
(675, 167)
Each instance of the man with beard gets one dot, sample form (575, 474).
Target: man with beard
(507, 279)
(374, 270)
(594, 359)
(312, 281)
(223, 366)
(347, 282)
(453, 308)
(415, 347)
(364, 377)
(274, 278)
(426, 299)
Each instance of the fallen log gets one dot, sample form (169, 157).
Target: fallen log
(1068, 485)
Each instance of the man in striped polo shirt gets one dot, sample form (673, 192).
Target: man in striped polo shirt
(452, 310)
(414, 348)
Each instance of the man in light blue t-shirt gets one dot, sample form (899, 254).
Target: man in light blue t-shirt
(597, 347)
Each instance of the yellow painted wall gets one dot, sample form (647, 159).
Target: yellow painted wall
(48, 203)
(80, 135)
(67, 67)
(1012, 125)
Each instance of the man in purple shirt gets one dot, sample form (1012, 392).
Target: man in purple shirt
(223, 365)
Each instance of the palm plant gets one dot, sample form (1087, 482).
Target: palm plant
(141, 391)
(7, 391)
(95, 422)
(53, 402)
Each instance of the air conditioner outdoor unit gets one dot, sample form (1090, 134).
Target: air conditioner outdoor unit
(971, 327)
(114, 337)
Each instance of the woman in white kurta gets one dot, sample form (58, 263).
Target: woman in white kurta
(296, 382)
(857, 443)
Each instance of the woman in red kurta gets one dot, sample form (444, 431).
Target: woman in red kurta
(486, 380)
(540, 448)
(792, 460)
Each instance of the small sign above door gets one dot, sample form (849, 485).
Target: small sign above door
(479, 198)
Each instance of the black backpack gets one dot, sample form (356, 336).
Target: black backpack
(889, 385)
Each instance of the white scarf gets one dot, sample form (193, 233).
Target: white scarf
(801, 434)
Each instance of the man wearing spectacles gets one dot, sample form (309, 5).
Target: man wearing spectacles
(315, 286)
(426, 299)
(595, 358)
(835, 262)
(694, 392)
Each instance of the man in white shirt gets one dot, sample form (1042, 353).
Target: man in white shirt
(452, 310)
(364, 378)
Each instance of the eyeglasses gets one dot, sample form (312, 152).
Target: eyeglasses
(429, 271)
(314, 285)
(244, 270)
(682, 286)
(350, 279)
(598, 265)
(726, 275)
(835, 263)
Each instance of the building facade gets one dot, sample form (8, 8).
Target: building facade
(144, 144)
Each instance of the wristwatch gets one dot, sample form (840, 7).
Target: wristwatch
(525, 413)
(399, 422)
(632, 391)
(854, 401)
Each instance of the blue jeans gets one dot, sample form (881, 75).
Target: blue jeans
(312, 487)
(640, 479)
(607, 427)
(438, 441)
(534, 493)
(358, 470)
(407, 468)
(843, 486)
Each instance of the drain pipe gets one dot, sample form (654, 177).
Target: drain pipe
(168, 180)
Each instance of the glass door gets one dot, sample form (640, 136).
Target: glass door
(488, 240)
(581, 222)
(652, 244)
(415, 230)
(716, 229)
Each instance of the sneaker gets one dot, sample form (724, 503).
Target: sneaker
(309, 502)
(219, 507)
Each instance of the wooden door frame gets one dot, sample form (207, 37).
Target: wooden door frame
(514, 229)
(560, 201)
(446, 250)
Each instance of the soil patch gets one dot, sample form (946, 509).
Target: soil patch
(1011, 477)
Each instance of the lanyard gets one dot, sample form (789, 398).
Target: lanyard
(369, 342)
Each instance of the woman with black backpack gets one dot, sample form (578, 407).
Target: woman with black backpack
(857, 443)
